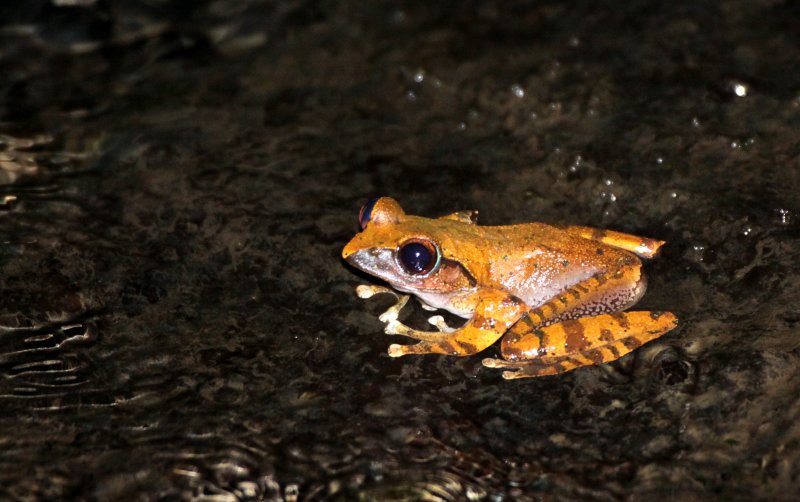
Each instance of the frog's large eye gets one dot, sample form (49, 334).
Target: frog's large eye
(418, 257)
(366, 212)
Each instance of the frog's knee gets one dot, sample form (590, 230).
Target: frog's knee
(522, 347)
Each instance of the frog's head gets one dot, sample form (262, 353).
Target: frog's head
(406, 251)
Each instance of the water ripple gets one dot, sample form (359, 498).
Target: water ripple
(45, 366)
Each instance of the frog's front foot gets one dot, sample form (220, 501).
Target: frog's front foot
(365, 291)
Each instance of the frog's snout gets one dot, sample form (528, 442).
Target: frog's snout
(355, 244)
(378, 262)
(359, 258)
(348, 250)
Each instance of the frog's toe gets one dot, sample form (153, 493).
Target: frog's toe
(393, 312)
(397, 350)
(500, 363)
(514, 374)
(521, 369)
(396, 327)
(491, 362)
(389, 316)
(365, 291)
(442, 326)
(529, 371)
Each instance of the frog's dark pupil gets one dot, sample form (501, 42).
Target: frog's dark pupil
(366, 212)
(416, 258)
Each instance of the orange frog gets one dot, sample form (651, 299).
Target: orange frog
(556, 292)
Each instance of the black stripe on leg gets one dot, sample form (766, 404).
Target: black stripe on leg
(631, 342)
(596, 355)
(466, 347)
(621, 319)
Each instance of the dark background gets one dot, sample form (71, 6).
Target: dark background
(178, 178)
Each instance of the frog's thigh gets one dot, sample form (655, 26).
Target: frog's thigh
(600, 294)
(580, 342)
(494, 314)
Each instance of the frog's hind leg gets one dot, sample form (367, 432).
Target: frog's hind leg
(603, 293)
(570, 344)
(641, 246)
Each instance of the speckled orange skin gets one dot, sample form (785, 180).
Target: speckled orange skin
(556, 292)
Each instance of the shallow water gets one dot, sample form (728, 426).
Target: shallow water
(176, 185)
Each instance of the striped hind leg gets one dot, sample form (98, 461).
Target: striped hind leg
(570, 344)
(641, 246)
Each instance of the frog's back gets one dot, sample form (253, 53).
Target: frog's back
(536, 261)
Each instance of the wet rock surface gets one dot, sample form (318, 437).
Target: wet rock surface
(176, 184)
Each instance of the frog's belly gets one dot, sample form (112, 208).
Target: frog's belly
(541, 287)
(539, 296)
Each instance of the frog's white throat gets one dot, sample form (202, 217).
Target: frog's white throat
(436, 300)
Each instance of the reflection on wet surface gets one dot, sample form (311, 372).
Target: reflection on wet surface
(176, 184)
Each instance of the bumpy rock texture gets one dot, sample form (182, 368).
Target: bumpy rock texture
(177, 179)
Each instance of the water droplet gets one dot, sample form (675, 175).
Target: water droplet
(784, 216)
(740, 89)
(419, 76)
(576, 163)
(518, 91)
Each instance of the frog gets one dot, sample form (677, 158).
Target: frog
(556, 296)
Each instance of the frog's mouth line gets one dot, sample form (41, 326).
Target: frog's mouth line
(373, 261)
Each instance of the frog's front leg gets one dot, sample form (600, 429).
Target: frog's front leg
(365, 291)
(494, 313)
(390, 316)
(570, 344)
